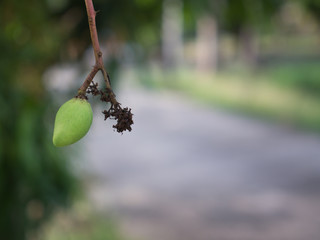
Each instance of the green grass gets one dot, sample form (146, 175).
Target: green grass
(81, 223)
(273, 94)
(303, 77)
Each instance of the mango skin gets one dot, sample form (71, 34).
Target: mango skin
(73, 121)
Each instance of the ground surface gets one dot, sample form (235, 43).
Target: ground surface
(188, 172)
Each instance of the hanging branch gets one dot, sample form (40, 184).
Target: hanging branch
(99, 66)
(122, 115)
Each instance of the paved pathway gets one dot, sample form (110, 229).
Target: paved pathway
(187, 172)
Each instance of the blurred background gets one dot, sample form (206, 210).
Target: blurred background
(226, 103)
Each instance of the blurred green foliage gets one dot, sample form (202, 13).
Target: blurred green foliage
(81, 222)
(313, 6)
(303, 77)
(35, 178)
(235, 15)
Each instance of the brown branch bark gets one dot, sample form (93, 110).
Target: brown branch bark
(99, 66)
(93, 32)
(82, 90)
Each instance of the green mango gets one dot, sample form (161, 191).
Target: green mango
(73, 121)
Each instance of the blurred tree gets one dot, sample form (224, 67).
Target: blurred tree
(172, 33)
(207, 44)
(245, 18)
(242, 18)
(204, 16)
(313, 6)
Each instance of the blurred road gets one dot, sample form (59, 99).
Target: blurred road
(188, 172)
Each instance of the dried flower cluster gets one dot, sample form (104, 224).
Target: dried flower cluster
(123, 116)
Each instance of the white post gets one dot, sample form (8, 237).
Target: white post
(172, 33)
(207, 44)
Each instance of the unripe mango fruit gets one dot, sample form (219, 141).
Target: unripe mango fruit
(73, 121)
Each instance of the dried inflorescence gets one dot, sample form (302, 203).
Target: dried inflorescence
(123, 116)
